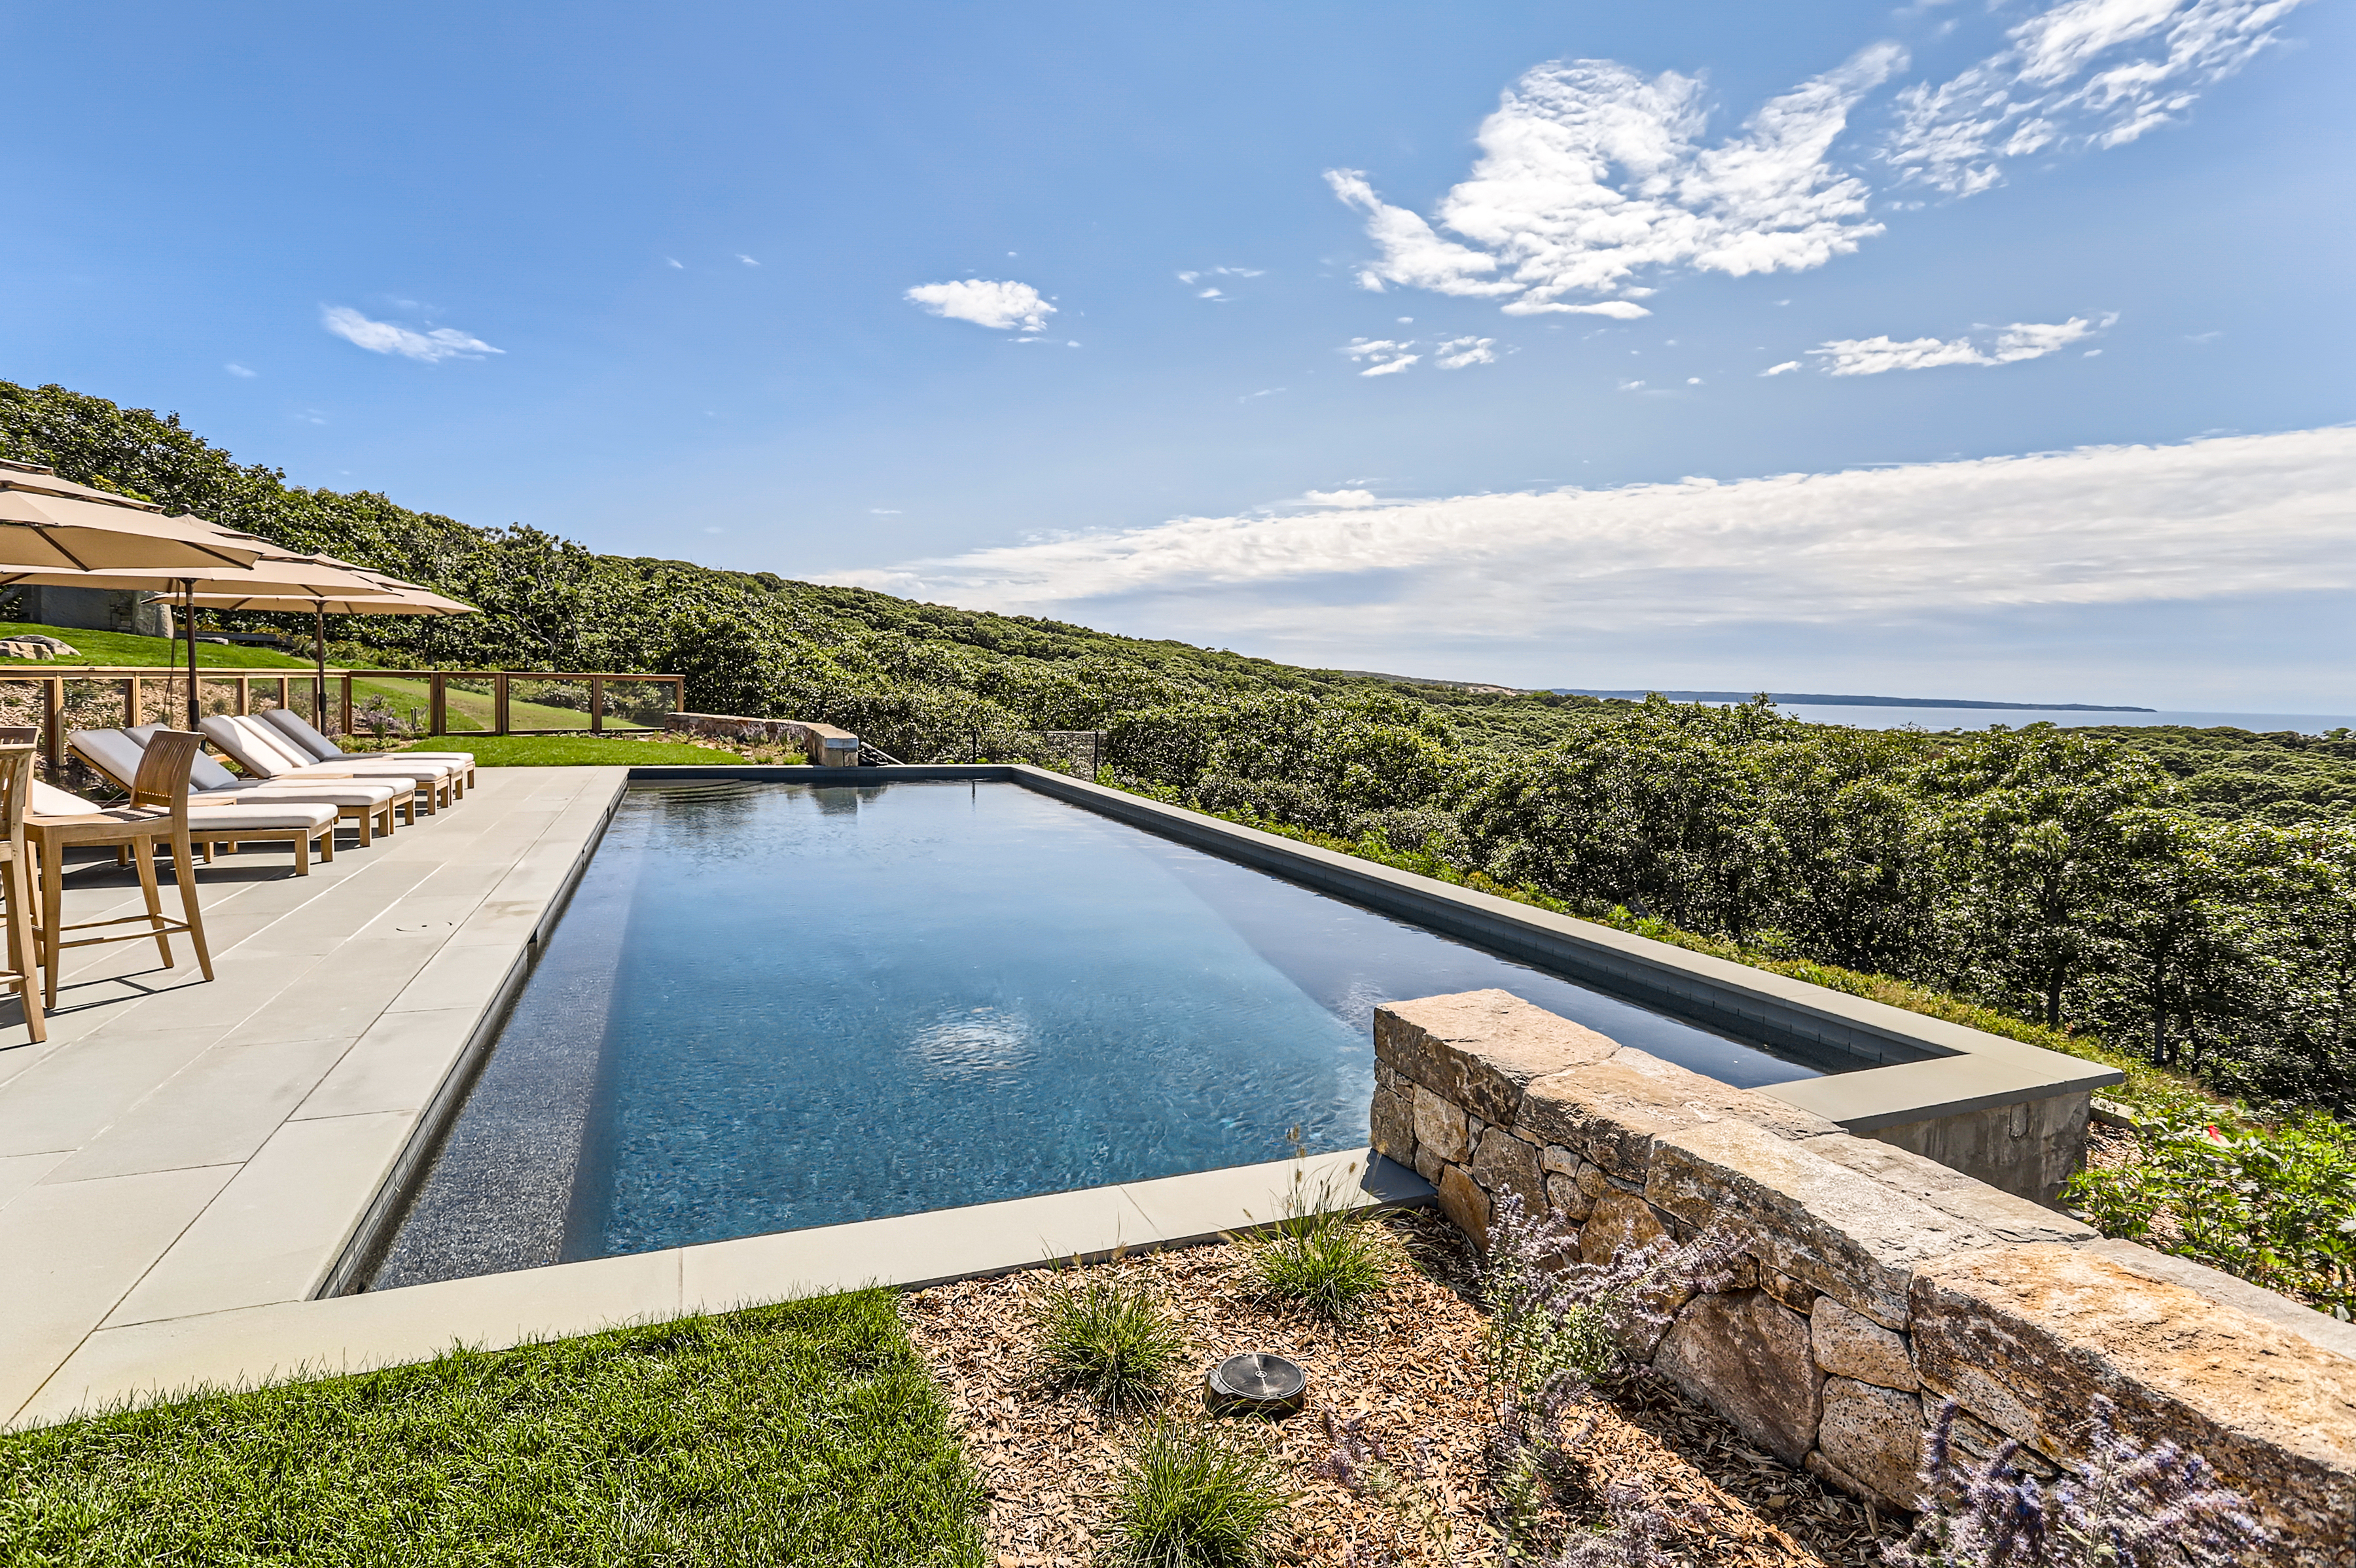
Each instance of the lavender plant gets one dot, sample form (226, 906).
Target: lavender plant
(1558, 1329)
(2133, 1507)
(1638, 1536)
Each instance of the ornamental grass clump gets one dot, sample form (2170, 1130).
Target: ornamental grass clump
(1114, 1342)
(1189, 1496)
(1321, 1253)
(2133, 1507)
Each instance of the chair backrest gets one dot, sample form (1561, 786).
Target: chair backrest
(15, 793)
(261, 737)
(20, 735)
(204, 773)
(302, 733)
(162, 778)
(261, 761)
(112, 752)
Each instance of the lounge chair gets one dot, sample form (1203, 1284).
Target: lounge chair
(264, 753)
(370, 805)
(312, 743)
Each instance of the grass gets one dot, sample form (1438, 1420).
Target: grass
(804, 1434)
(1113, 1342)
(1188, 1496)
(1330, 1258)
(571, 751)
(122, 648)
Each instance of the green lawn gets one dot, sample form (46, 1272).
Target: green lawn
(806, 1434)
(571, 751)
(122, 648)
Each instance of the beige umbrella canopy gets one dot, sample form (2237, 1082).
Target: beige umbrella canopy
(47, 524)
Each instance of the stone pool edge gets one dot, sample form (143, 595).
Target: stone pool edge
(338, 1335)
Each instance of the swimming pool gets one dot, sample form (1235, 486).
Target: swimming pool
(770, 1007)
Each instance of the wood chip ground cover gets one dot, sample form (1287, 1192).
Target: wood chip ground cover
(1410, 1367)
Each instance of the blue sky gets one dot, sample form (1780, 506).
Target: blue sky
(644, 275)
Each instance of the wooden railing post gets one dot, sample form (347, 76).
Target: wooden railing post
(437, 709)
(53, 725)
(131, 719)
(596, 705)
(499, 702)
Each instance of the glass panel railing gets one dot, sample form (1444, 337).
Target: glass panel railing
(24, 705)
(538, 704)
(636, 704)
(469, 705)
(216, 697)
(391, 707)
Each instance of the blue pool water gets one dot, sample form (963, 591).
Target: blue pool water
(771, 1006)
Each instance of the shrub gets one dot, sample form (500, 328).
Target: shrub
(1324, 1255)
(2133, 1507)
(1112, 1341)
(1189, 1498)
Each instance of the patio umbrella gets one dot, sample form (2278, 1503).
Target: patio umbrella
(400, 599)
(278, 573)
(47, 525)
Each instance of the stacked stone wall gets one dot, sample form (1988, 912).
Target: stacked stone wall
(1876, 1284)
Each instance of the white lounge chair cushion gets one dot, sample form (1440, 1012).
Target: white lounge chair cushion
(307, 738)
(221, 822)
(271, 757)
(48, 800)
(400, 765)
(204, 773)
(111, 751)
(328, 791)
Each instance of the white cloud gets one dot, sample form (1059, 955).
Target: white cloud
(1200, 272)
(1384, 358)
(2104, 525)
(748, 260)
(999, 305)
(2085, 74)
(234, 369)
(1785, 367)
(387, 337)
(1343, 500)
(2022, 340)
(1457, 353)
(1591, 175)
(675, 262)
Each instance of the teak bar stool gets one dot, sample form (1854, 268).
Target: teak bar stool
(159, 810)
(24, 938)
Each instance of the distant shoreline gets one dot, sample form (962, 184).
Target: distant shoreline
(1820, 700)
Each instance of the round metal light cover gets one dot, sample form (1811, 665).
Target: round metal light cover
(1256, 1383)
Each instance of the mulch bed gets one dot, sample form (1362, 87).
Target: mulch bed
(1409, 1368)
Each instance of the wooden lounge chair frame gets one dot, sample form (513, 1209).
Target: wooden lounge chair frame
(24, 971)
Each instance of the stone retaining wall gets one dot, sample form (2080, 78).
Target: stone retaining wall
(825, 746)
(1875, 1283)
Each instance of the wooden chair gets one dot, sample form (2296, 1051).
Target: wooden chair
(157, 813)
(24, 936)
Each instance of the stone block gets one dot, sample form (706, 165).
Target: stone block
(1747, 1357)
(1611, 1112)
(1797, 1294)
(1428, 1163)
(1556, 1159)
(2026, 1338)
(1620, 1222)
(1851, 1345)
(1465, 1204)
(1831, 1227)
(1874, 1435)
(1568, 1198)
(2005, 1216)
(1391, 1124)
(1386, 1076)
(1480, 1048)
(1503, 1164)
(1440, 1126)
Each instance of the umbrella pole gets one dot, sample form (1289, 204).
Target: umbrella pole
(320, 651)
(188, 595)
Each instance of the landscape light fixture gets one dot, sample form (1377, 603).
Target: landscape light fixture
(1256, 1383)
